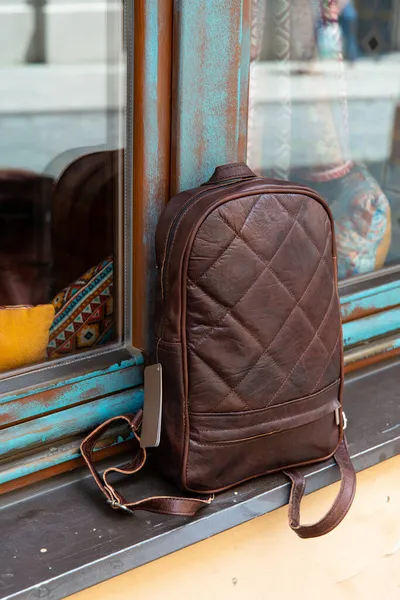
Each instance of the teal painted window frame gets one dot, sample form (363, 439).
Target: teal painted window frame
(45, 410)
(211, 74)
(47, 423)
(44, 413)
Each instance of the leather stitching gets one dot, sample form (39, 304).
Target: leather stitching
(327, 364)
(215, 261)
(253, 438)
(231, 390)
(304, 229)
(278, 332)
(229, 311)
(273, 272)
(309, 345)
(206, 335)
(256, 411)
(249, 332)
(258, 198)
(340, 506)
(299, 303)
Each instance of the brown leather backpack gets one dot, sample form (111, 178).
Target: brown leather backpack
(250, 343)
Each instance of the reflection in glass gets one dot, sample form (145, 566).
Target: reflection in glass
(62, 85)
(324, 111)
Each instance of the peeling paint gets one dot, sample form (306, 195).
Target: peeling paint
(210, 88)
(62, 397)
(359, 304)
(29, 466)
(361, 330)
(53, 385)
(72, 421)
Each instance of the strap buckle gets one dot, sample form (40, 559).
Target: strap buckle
(344, 418)
(118, 506)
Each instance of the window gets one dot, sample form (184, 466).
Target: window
(164, 110)
(273, 89)
(324, 108)
(62, 178)
(81, 94)
(324, 111)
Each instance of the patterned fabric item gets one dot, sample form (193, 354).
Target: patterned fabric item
(362, 217)
(84, 312)
(310, 142)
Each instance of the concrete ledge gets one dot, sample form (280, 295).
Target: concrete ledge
(87, 543)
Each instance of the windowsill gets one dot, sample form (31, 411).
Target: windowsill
(60, 537)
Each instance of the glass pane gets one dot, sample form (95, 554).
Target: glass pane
(325, 111)
(62, 130)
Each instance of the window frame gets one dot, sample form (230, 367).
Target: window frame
(191, 66)
(45, 409)
(214, 95)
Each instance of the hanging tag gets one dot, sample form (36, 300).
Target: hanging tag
(152, 407)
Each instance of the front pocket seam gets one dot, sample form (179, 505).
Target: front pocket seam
(261, 435)
(283, 419)
(267, 408)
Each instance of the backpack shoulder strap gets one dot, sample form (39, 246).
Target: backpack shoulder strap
(169, 505)
(176, 505)
(339, 508)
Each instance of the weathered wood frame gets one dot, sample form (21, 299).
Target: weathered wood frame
(45, 411)
(190, 106)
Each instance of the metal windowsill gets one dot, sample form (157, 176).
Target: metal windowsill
(87, 543)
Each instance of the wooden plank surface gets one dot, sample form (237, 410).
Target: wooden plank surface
(19, 391)
(151, 151)
(211, 59)
(59, 453)
(72, 421)
(362, 330)
(57, 398)
(35, 422)
(366, 302)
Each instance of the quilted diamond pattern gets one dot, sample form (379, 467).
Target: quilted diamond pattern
(261, 304)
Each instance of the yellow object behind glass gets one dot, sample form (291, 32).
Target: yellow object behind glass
(24, 334)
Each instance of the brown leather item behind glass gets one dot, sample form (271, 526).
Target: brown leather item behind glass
(249, 338)
(84, 205)
(25, 240)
